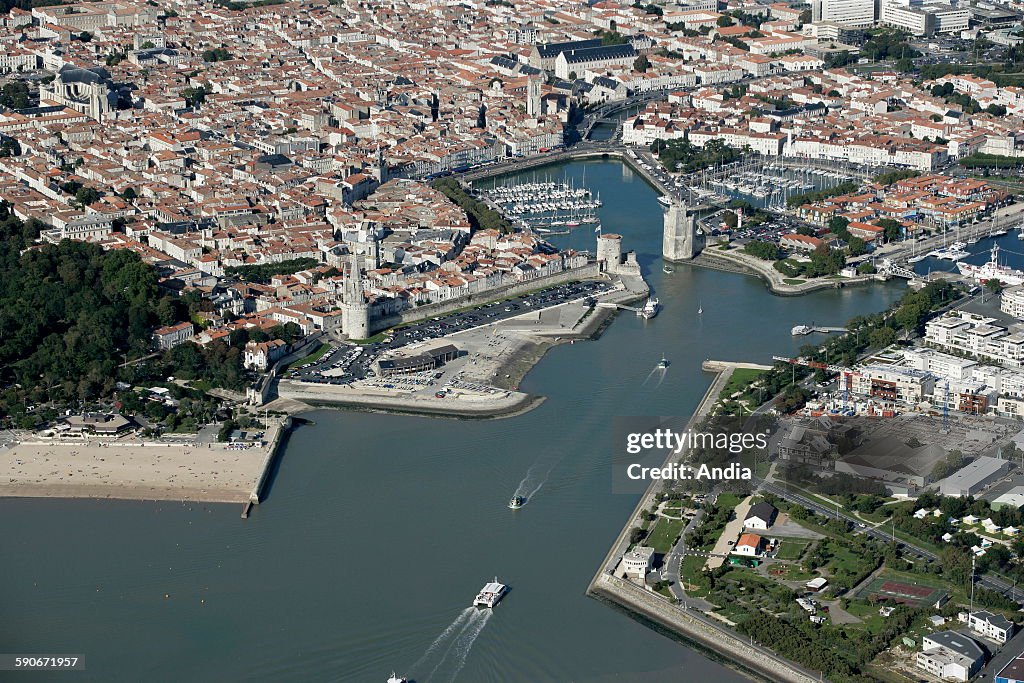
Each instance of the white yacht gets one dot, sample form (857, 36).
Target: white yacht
(491, 594)
(650, 308)
(664, 200)
(397, 679)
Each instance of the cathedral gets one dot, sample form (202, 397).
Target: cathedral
(90, 91)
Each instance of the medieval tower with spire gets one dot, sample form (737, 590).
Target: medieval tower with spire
(355, 312)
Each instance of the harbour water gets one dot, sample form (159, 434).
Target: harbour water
(378, 530)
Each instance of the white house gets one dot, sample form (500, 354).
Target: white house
(761, 516)
(749, 545)
(992, 626)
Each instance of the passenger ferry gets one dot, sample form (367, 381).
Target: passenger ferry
(491, 594)
(650, 308)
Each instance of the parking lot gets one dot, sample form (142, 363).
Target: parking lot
(346, 363)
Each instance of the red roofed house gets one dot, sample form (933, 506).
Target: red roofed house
(749, 545)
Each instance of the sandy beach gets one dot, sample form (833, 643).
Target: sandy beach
(130, 469)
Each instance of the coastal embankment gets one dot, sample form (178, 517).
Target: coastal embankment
(688, 622)
(130, 468)
(691, 625)
(735, 261)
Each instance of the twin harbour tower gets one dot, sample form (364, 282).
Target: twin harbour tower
(681, 241)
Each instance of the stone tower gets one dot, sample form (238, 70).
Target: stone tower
(533, 99)
(355, 312)
(373, 252)
(681, 241)
(609, 252)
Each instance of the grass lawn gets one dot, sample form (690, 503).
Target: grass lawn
(791, 550)
(664, 534)
(739, 380)
(691, 571)
(729, 500)
(793, 281)
(311, 358)
(200, 385)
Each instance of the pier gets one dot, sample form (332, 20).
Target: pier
(801, 330)
(273, 443)
(624, 307)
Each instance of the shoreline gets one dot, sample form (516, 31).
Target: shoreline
(677, 619)
(727, 261)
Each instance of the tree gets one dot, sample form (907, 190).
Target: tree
(14, 95)
(641, 64)
(856, 246)
(866, 268)
(85, 36)
(572, 75)
(148, 45)
(730, 219)
(882, 337)
(893, 229)
(994, 285)
(86, 196)
(724, 20)
(769, 251)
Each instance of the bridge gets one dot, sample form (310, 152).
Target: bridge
(603, 113)
(891, 268)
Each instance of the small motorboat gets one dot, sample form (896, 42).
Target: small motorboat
(516, 502)
(664, 363)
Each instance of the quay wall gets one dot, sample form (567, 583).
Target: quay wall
(689, 624)
(268, 460)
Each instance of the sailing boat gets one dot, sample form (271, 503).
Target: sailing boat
(996, 230)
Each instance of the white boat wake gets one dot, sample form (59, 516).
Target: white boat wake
(449, 651)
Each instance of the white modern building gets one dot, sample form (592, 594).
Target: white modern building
(857, 13)
(950, 655)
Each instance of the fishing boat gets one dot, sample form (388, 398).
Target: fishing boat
(516, 502)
